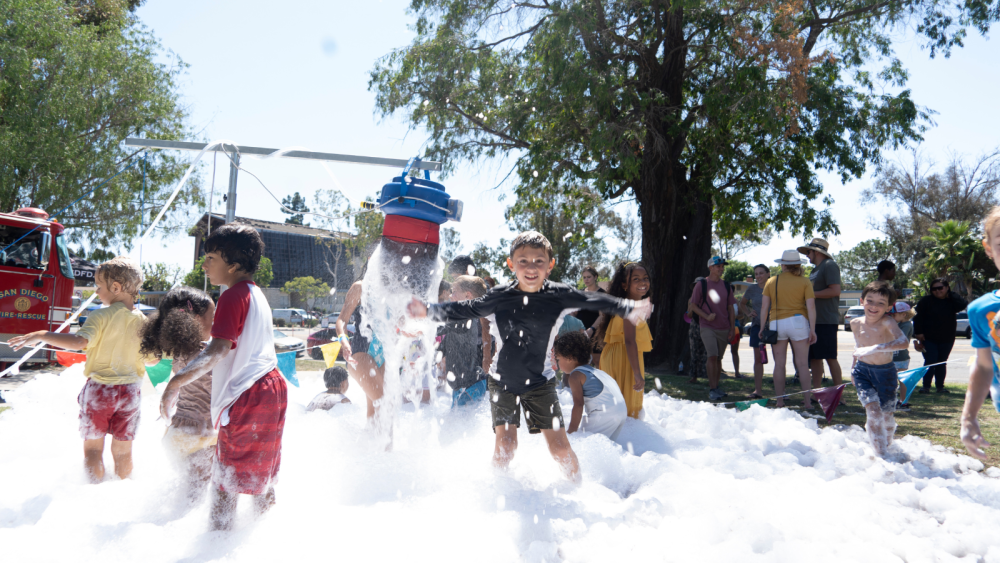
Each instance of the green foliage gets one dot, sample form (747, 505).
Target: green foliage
(857, 265)
(296, 203)
(917, 195)
(952, 253)
(103, 12)
(196, 277)
(265, 273)
(96, 255)
(159, 276)
(305, 288)
(74, 83)
(355, 247)
(451, 244)
(492, 262)
(572, 222)
(737, 270)
(707, 112)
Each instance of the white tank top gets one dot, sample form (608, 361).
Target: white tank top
(608, 399)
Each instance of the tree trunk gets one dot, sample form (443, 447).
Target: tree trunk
(676, 243)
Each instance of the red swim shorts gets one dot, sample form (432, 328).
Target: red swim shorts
(248, 452)
(109, 409)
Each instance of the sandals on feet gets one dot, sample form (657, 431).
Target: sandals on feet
(753, 396)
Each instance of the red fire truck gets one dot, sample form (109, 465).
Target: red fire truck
(36, 279)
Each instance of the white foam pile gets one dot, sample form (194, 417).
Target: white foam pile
(692, 483)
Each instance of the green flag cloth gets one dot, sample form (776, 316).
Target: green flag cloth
(160, 372)
(744, 405)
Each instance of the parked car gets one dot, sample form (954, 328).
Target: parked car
(324, 336)
(962, 328)
(290, 316)
(284, 343)
(852, 313)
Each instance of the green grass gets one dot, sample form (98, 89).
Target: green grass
(4, 408)
(306, 364)
(934, 417)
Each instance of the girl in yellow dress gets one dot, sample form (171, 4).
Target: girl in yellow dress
(624, 342)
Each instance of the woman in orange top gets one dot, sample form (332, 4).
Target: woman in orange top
(624, 342)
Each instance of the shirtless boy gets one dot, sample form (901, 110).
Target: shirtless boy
(876, 336)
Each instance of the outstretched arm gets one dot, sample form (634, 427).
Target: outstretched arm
(979, 386)
(898, 342)
(455, 310)
(61, 340)
(202, 364)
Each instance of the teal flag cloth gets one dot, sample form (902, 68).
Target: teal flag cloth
(286, 365)
(911, 378)
(744, 405)
(160, 372)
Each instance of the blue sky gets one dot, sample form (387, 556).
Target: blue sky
(295, 73)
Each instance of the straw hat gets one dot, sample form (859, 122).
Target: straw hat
(819, 245)
(791, 258)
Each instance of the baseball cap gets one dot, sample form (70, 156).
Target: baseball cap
(716, 260)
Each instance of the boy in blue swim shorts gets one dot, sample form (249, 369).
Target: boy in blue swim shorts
(876, 337)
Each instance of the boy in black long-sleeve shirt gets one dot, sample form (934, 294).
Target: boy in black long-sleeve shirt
(525, 316)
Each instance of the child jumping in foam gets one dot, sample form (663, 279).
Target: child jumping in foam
(337, 382)
(985, 376)
(109, 401)
(181, 327)
(598, 404)
(876, 336)
(249, 395)
(525, 315)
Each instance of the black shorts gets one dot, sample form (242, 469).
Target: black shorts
(825, 347)
(541, 407)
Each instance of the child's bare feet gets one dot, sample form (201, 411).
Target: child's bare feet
(93, 459)
(263, 503)
(223, 509)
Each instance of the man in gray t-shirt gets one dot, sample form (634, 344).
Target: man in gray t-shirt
(750, 304)
(825, 278)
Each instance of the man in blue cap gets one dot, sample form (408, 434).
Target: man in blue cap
(713, 300)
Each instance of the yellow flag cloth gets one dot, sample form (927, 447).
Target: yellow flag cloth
(330, 352)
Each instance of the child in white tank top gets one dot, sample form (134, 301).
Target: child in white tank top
(598, 404)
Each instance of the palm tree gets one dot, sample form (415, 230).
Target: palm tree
(952, 253)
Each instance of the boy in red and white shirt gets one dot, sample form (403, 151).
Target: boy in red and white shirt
(249, 396)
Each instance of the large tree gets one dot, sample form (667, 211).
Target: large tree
(707, 112)
(76, 78)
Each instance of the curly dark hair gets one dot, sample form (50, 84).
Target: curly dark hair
(573, 345)
(619, 288)
(174, 329)
(238, 244)
(334, 376)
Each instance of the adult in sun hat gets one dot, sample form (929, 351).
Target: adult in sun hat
(825, 279)
(788, 306)
(712, 299)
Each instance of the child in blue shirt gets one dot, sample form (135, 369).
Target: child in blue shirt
(985, 375)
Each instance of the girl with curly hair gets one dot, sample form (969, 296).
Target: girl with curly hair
(624, 342)
(180, 328)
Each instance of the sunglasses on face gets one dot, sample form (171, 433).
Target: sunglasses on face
(939, 288)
